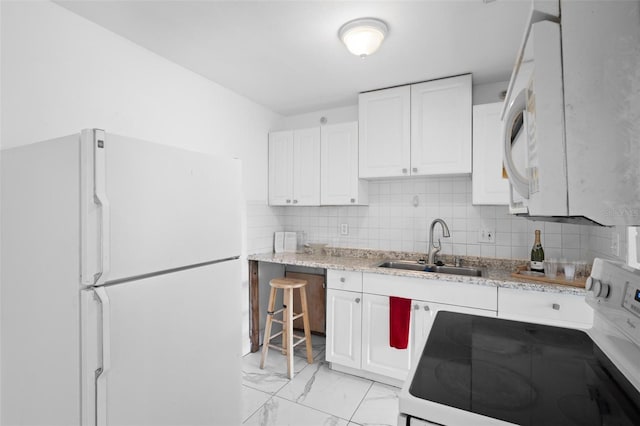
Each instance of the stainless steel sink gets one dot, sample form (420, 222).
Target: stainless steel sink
(411, 265)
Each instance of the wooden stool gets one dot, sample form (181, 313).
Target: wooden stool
(288, 285)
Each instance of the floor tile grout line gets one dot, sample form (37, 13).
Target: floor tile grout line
(362, 400)
(311, 408)
(259, 407)
(326, 412)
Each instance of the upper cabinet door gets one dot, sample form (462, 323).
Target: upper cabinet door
(489, 185)
(281, 168)
(385, 143)
(441, 126)
(306, 167)
(339, 183)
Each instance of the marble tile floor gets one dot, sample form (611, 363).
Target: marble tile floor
(317, 395)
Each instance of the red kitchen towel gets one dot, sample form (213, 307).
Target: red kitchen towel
(399, 320)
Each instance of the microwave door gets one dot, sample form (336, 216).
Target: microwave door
(515, 154)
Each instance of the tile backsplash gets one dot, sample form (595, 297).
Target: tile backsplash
(400, 212)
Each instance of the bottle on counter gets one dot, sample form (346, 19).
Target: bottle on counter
(537, 254)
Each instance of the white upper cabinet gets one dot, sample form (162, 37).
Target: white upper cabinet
(488, 184)
(294, 167)
(441, 126)
(280, 168)
(385, 143)
(339, 183)
(306, 167)
(416, 130)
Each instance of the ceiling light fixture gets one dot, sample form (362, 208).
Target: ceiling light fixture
(363, 36)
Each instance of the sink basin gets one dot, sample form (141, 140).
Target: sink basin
(410, 265)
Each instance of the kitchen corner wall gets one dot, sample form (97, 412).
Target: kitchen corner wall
(609, 243)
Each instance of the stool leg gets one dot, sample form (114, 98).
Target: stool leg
(285, 306)
(267, 329)
(289, 321)
(307, 328)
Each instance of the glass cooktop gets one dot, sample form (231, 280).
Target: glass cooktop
(522, 373)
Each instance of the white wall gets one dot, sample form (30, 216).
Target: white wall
(61, 73)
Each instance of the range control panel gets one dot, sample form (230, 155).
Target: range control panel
(613, 291)
(631, 299)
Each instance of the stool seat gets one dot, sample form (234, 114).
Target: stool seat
(288, 285)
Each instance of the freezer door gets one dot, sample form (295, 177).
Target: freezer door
(148, 207)
(164, 350)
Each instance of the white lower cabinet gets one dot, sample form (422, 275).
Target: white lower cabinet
(358, 335)
(344, 327)
(377, 355)
(561, 309)
(358, 316)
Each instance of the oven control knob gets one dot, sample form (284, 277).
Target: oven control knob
(588, 285)
(600, 289)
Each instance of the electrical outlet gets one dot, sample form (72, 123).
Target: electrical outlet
(487, 236)
(344, 229)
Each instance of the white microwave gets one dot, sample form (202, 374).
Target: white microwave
(572, 115)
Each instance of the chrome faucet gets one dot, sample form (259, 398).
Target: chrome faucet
(433, 250)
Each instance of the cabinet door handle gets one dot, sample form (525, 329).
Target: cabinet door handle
(426, 307)
(357, 300)
(416, 307)
(295, 201)
(404, 171)
(415, 170)
(288, 201)
(556, 306)
(353, 200)
(342, 279)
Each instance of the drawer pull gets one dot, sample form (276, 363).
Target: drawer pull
(342, 279)
(357, 300)
(426, 307)
(416, 307)
(556, 306)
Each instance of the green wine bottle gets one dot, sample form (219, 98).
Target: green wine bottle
(537, 254)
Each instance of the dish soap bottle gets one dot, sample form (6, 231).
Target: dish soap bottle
(537, 254)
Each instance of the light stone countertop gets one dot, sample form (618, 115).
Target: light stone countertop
(497, 272)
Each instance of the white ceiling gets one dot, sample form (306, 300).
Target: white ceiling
(286, 55)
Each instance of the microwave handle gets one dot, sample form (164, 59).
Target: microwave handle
(520, 183)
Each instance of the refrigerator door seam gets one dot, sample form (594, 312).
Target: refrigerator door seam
(169, 271)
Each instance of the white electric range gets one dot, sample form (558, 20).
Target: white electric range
(488, 371)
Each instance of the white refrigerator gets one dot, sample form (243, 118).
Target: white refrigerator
(120, 284)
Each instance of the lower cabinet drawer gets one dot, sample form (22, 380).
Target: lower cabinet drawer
(544, 308)
(344, 280)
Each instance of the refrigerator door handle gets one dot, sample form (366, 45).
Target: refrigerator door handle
(95, 215)
(101, 373)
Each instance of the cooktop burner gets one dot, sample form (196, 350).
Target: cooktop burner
(523, 373)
